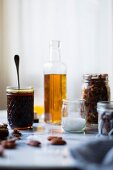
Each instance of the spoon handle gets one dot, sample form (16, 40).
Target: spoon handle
(16, 58)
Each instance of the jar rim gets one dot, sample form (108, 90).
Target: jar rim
(11, 89)
(105, 104)
(95, 76)
(73, 100)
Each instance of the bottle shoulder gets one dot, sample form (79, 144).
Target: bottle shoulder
(54, 68)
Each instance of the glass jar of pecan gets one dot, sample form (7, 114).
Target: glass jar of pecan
(95, 88)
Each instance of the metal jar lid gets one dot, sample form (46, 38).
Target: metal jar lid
(105, 105)
(95, 77)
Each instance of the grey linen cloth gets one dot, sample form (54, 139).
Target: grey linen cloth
(94, 155)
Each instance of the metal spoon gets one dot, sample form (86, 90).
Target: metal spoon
(16, 58)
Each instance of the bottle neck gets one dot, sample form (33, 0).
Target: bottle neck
(55, 54)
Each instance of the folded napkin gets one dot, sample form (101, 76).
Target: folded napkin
(94, 155)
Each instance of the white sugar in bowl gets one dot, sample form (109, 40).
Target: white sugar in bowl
(71, 124)
(73, 116)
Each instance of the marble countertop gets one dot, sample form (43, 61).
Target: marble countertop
(45, 157)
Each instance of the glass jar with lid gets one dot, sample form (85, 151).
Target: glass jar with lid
(95, 88)
(105, 117)
(20, 104)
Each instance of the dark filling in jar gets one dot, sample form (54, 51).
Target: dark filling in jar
(105, 123)
(20, 110)
(95, 89)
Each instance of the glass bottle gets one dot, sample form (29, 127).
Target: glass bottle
(95, 88)
(54, 85)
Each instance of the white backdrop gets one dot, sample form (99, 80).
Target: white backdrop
(26, 27)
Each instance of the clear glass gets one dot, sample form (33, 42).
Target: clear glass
(73, 115)
(20, 104)
(105, 117)
(38, 105)
(54, 85)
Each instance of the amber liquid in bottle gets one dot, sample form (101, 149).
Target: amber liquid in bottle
(54, 92)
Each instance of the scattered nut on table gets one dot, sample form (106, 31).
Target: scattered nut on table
(16, 133)
(54, 137)
(1, 150)
(9, 144)
(3, 131)
(58, 141)
(34, 143)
